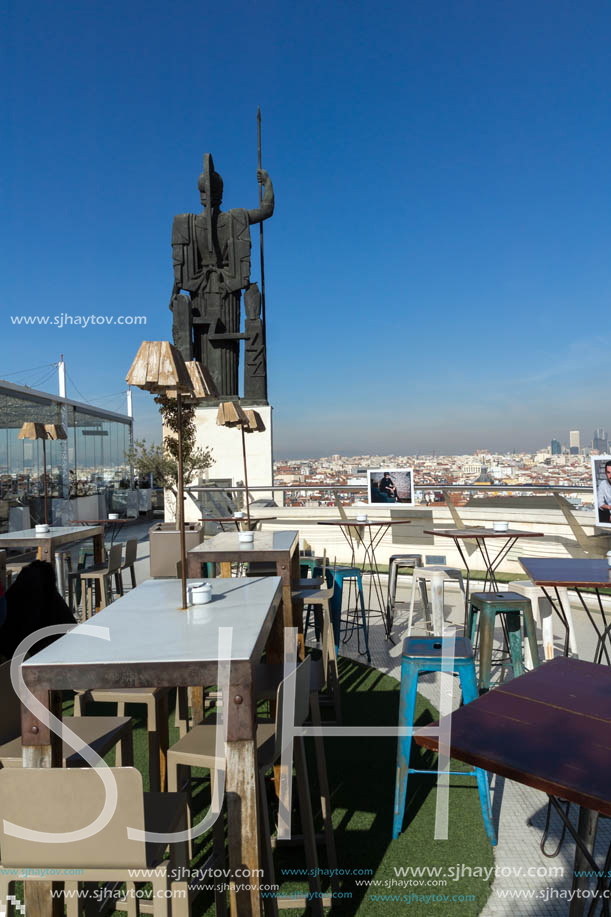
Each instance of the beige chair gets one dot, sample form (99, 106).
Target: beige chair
(56, 800)
(101, 732)
(102, 574)
(156, 702)
(16, 563)
(198, 749)
(131, 555)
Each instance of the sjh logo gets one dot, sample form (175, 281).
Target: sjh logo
(11, 899)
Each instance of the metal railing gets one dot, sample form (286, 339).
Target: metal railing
(418, 487)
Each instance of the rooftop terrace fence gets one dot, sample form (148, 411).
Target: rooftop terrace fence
(568, 532)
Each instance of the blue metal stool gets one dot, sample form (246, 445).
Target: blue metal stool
(421, 655)
(512, 605)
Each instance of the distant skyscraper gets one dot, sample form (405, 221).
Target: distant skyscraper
(600, 440)
(556, 447)
(574, 442)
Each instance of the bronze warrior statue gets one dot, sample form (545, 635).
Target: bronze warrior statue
(211, 253)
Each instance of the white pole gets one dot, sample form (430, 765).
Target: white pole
(130, 413)
(437, 603)
(61, 380)
(61, 371)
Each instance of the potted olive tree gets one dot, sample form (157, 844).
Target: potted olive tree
(161, 462)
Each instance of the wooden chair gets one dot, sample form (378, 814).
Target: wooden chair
(101, 732)
(313, 582)
(324, 672)
(56, 800)
(324, 677)
(317, 597)
(198, 749)
(131, 555)
(103, 574)
(157, 729)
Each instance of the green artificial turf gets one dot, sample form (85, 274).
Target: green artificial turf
(362, 778)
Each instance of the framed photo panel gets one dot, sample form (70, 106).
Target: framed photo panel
(601, 484)
(390, 485)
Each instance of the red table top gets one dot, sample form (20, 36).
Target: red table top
(549, 729)
(568, 571)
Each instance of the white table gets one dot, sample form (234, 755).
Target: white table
(279, 548)
(56, 537)
(154, 643)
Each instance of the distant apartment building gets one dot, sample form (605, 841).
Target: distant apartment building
(600, 440)
(574, 442)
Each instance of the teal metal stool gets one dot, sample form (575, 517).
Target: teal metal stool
(341, 574)
(512, 605)
(351, 623)
(307, 563)
(421, 655)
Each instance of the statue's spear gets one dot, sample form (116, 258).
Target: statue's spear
(208, 170)
(261, 252)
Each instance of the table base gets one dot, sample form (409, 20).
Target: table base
(585, 837)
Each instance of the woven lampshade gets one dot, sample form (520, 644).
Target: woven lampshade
(159, 367)
(56, 431)
(33, 430)
(230, 414)
(255, 422)
(201, 381)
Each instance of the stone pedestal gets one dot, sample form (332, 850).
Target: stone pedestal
(226, 446)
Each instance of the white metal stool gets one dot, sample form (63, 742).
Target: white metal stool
(543, 614)
(421, 576)
(395, 563)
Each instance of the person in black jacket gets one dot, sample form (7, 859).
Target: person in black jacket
(387, 487)
(32, 602)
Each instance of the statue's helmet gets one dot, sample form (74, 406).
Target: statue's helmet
(211, 182)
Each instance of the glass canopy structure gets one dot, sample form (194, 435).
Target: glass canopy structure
(92, 459)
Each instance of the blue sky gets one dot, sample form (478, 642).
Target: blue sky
(438, 269)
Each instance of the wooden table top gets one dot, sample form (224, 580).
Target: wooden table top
(568, 571)
(549, 729)
(264, 546)
(369, 522)
(476, 532)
